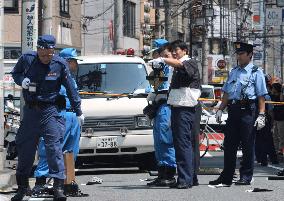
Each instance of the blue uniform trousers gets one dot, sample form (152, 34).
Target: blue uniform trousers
(240, 130)
(182, 123)
(195, 145)
(163, 139)
(70, 143)
(40, 121)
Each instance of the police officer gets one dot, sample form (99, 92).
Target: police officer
(72, 128)
(244, 93)
(41, 74)
(162, 132)
(183, 96)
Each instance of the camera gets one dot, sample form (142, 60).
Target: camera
(157, 76)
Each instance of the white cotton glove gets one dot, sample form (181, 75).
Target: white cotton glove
(260, 122)
(26, 82)
(218, 116)
(81, 119)
(156, 62)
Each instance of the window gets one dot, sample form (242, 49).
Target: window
(64, 8)
(11, 6)
(12, 52)
(129, 18)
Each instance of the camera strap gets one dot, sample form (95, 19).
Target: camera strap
(243, 95)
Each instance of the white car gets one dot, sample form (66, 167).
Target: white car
(210, 107)
(112, 89)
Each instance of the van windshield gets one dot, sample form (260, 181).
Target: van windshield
(116, 78)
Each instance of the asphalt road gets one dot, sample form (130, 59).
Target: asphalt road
(128, 184)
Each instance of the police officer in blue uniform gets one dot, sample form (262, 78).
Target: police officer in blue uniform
(244, 93)
(183, 97)
(162, 132)
(72, 128)
(41, 75)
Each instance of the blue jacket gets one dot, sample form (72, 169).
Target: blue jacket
(48, 79)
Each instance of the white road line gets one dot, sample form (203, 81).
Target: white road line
(40, 199)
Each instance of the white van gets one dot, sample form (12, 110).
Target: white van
(112, 89)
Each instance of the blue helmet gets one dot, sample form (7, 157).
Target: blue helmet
(68, 53)
(160, 42)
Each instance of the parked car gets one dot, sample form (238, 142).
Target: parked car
(112, 89)
(210, 106)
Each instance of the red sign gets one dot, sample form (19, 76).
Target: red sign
(221, 64)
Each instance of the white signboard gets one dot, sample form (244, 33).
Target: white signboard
(274, 16)
(29, 25)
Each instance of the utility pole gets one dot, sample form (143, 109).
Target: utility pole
(221, 27)
(265, 39)
(2, 149)
(118, 25)
(47, 17)
(205, 48)
(281, 53)
(190, 32)
(168, 20)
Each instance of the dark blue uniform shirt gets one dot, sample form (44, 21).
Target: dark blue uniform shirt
(48, 79)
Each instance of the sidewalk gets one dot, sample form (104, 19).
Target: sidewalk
(8, 177)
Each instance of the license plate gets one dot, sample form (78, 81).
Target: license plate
(106, 142)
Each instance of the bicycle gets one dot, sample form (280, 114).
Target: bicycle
(208, 137)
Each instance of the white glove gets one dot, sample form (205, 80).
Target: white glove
(26, 82)
(260, 122)
(218, 116)
(81, 119)
(156, 62)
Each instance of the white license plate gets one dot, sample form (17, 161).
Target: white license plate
(106, 142)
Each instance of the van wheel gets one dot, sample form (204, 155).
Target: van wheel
(147, 162)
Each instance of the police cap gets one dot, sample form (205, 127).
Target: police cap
(243, 47)
(46, 42)
(69, 53)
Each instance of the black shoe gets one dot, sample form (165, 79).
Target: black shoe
(195, 183)
(39, 187)
(23, 188)
(181, 186)
(220, 181)
(280, 173)
(166, 182)
(154, 182)
(58, 187)
(21, 193)
(242, 182)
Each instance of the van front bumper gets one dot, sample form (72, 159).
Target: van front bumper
(114, 143)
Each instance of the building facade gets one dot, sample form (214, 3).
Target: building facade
(109, 26)
(59, 18)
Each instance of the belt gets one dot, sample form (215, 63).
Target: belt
(242, 102)
(162, 92)
(37, 104)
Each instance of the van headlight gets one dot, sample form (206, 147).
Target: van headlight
(143, 122)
